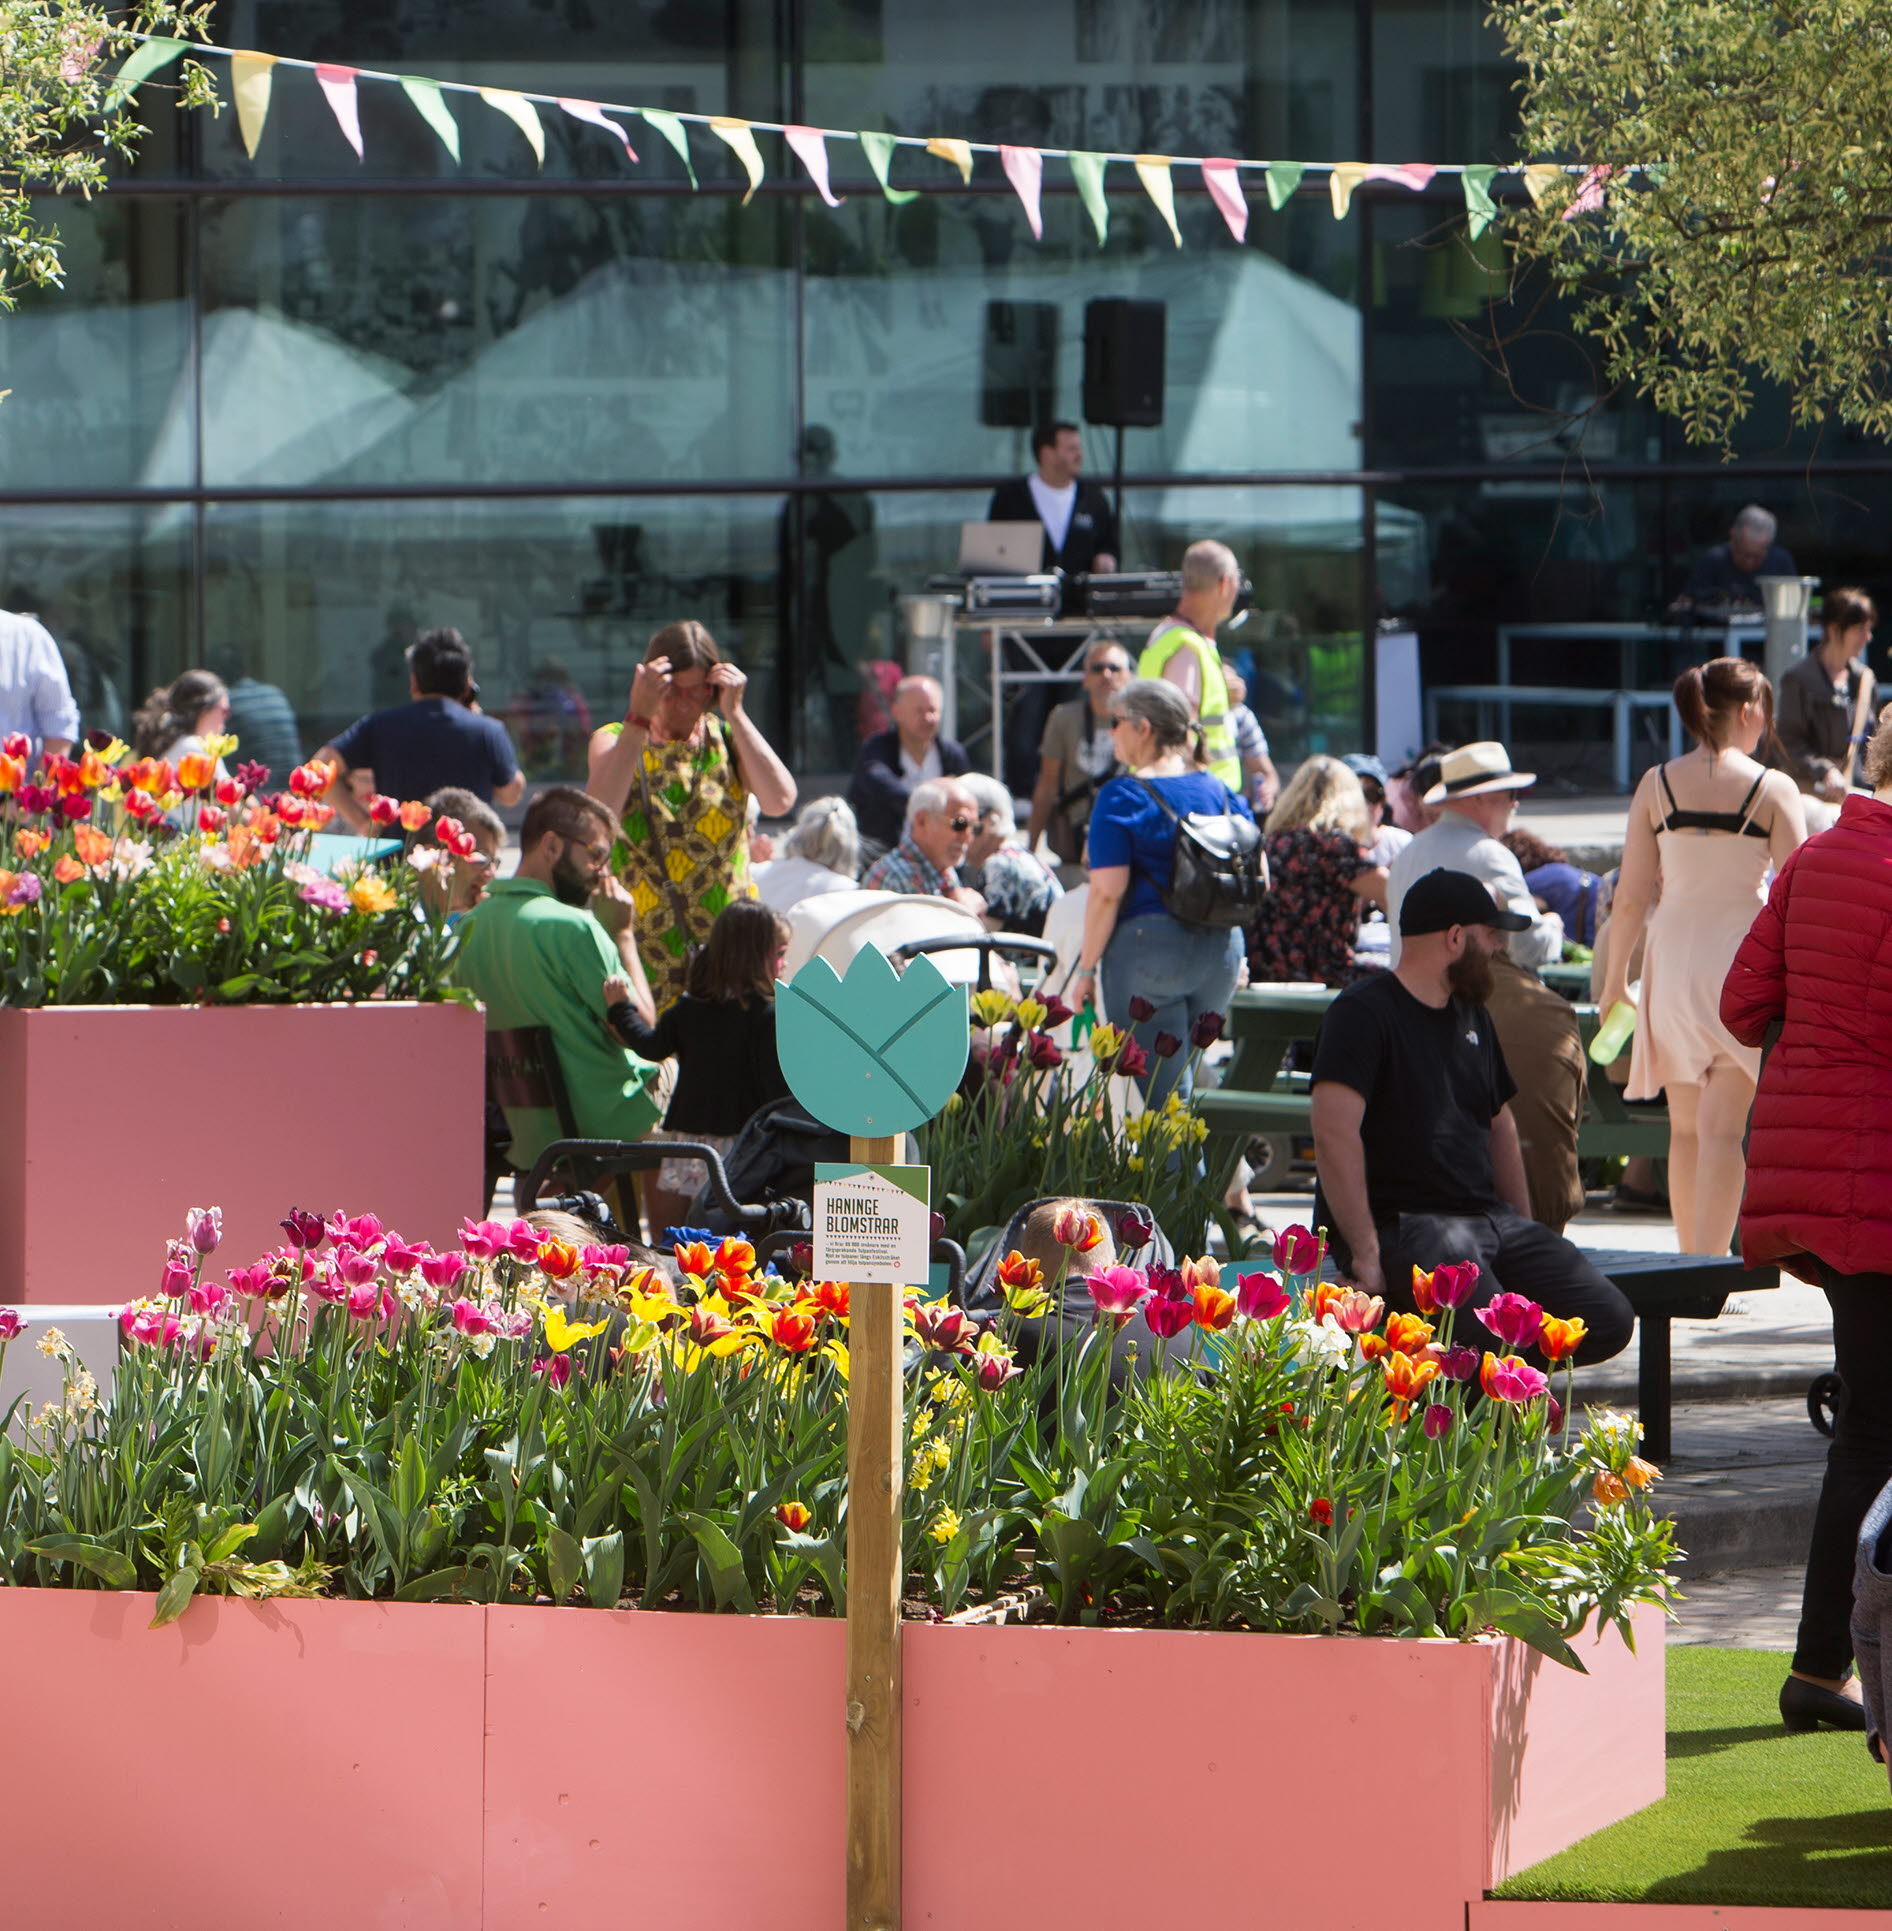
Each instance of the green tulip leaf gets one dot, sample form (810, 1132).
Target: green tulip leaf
(873, 1054)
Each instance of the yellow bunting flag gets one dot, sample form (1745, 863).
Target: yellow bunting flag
(1347, 176)
(521, 113)
(741, 138)
(1153, 172)
(250, 78)
(1539, 178)
(959, 153)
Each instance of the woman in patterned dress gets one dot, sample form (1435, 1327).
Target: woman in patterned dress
(1316, 839)
(679, 773)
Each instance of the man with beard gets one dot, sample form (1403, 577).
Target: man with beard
(1414, 1137)
(1476, 794)
(534, 952)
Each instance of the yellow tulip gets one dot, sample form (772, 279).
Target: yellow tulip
(371, 894)
(561, 1331)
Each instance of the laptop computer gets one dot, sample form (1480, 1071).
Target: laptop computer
(1001, 549)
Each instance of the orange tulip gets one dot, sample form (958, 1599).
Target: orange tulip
(831, 1298)
(696, 1259)
(245, 848)
(789, 1328)
(1607, 1490)
(1322, 1298)
(735, 1257)
(558, 1258)
(195, 771)
(1405, 1334)
(12, 773)
(371, 894)
(66, 868)
(1215, 1309)
(1556, 1338)
(794, 1515)
(1407, 1377)
(92, 845)
(292, 811)
(29, 844)
(93, 771)
(413, 815)
(311, 780)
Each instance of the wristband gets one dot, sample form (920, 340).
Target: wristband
(634, 720)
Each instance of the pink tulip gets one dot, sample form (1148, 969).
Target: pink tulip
(470, 1318)
(1296, 1251)
(359, 1230)
(252, 1280)
(1169, 1314)
(523, 1240)
(1516, 1322)
(353, 1268)
(556, 1368)
(367, 1299)
(10, 1323)
(1507, 1378)
(1118, 1290)
(304, 1228)
(1455, 1283)
(443, 1270)
(1260, 1297)
(613, 1256)
(1357, 1313)
(206, 1297)
(149, 1327)
(203, 1228)
(483, 1239)
(402, 1257)
(175, 1282)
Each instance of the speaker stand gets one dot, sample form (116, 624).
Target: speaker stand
(1122, 547)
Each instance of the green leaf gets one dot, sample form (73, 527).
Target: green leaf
(604, 1569)
(174, 1598)
(112, 1566)
(564, 1562)
(433, 1588)
(723, 1560)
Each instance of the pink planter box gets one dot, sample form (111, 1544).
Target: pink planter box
(567, 1767)
(1494, 1914)
(116, 1119)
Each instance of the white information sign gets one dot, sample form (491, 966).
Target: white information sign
(873, 1224)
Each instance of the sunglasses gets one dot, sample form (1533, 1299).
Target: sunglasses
(961, 824)
(1106, 670)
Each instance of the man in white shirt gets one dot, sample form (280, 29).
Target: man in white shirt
(1477, 795)
(35, 696)
(1080, 526)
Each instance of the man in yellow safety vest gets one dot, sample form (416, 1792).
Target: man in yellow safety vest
(1182, 651)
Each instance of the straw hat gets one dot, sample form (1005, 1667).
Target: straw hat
(1475, 768)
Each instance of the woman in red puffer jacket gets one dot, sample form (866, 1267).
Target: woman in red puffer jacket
(1817, 962)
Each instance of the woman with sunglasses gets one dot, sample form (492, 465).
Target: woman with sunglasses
(1174, 972)
(679, 773)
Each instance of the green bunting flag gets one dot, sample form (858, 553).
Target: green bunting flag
(1479, 206)
(671, 129)
(430, 104)
(1088, 172)
(140, 64)
(880, 149)
(1283, 178)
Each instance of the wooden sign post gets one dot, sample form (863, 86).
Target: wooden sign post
(873, 1057)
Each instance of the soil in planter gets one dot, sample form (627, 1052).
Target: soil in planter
(1753, 1815)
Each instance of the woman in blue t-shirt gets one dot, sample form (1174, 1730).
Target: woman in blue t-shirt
(1182, 971)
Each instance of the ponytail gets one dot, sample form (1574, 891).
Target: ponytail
(1709, 697)
(172, 710)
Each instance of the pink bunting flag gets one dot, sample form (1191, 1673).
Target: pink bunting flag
(811, 145)
(1411, 174)
(1025, 169)
(590, 111)
(1223, 179)
(1589, 194)
(338, 85)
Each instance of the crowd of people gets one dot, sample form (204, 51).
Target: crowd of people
(1749, 925)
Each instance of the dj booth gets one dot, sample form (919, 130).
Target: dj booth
(989, 638)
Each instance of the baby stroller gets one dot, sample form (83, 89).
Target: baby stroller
(1067, 1325)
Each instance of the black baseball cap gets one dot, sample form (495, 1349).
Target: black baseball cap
(1443, 898)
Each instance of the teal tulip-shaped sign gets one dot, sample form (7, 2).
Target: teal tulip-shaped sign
(876, 1053)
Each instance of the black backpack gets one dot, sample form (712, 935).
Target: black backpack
(1218, 872)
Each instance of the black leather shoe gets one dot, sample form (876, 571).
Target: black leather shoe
(1805, 1706)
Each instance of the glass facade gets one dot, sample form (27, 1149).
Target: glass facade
(285, 411)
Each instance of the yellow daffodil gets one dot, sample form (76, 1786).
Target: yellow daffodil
(371, 894)
(561, 1332)
(943, 1527)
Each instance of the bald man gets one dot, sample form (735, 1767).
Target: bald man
(893, 762)
(1182, 651)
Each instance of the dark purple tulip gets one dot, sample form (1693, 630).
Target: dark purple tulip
(1459, 1364)
(1133, 1062)
(1136, 1227)
(304, 1228)
(1206, 1031)
(1167, 1045)
(1141, 1010)
(1437, 1421)
(251, 775)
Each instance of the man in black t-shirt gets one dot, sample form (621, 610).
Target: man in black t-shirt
(1413, 1136)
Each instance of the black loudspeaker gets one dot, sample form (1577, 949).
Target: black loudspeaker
(1123, 363)
(1019, 384)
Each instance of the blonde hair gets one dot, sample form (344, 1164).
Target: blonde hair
(1323, 795)
(1039, 1241)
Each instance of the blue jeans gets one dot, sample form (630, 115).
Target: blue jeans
(1183, 971)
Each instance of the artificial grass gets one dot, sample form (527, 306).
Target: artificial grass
(1753, 1815)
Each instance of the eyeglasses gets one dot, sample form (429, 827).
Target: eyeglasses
(960, 824)
(1106, 670)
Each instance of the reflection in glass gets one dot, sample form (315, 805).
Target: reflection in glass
(112, 585)
(557, 598)
(532, 339)
(100, 371)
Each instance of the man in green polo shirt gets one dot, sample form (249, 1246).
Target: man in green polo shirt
(537, 950)
(1182, 651)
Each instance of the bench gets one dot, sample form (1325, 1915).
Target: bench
(1258, 1098)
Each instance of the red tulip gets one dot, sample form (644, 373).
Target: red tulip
(383, 810)
(1260, 1297)
(455, 836)
(1133, 1062)
(1168, 1314)
(1436, 1421)
(556, 1368)
(1296, 1251)
(1322, 1511)
(794, 1515)
(1167, 1045)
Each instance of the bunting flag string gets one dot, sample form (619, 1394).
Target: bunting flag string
(252, 78)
